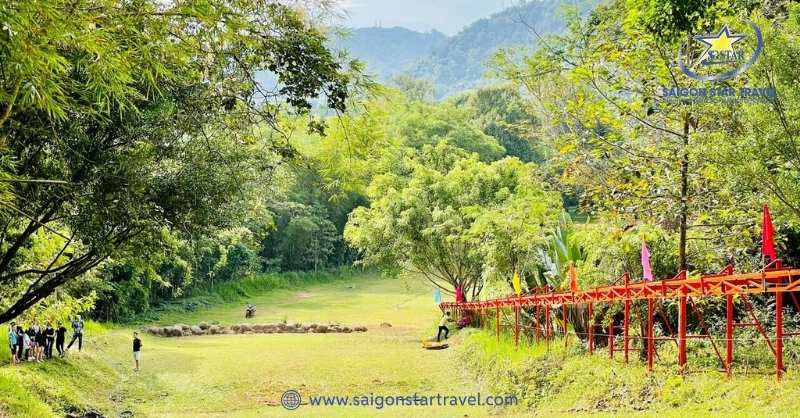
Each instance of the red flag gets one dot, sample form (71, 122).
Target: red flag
(767, 236)
(573, 277)
(459, 294)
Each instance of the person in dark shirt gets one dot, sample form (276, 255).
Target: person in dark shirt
(33, 349)
(137, 350)
(41, 343)
(61, 334)
(49, 334)
(20, 344)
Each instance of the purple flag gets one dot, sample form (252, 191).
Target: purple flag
(646, 273)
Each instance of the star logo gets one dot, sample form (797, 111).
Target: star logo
(718, 44)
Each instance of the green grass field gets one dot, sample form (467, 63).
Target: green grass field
(245, 375)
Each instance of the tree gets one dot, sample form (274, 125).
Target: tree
(418, 124)
(503, 114)
(415, 89)
(635, 154)
(304, 237)
(452, 218)
(121, 118)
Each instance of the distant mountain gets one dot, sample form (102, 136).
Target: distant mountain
(456, 63)
(389, 51)
(460, 63)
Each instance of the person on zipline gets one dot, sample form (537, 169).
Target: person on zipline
(443, 326)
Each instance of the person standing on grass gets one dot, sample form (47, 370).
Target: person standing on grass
(49, 334)
(443, 327)
(137, 350)
(20, 344)
(30, 343)
(61, 334)
(26, 339)
(77, 333)
(12, 342)
(41, 343)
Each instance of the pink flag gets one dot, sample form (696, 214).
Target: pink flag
(767, 236)
(647, 274)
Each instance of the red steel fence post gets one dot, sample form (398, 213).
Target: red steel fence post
(682, 330)
(611, 337)
(778, 334)
(650, 342)
(729, 335)
(547, 329)
(627, 319)
(590, 343)
(497, 322)
(516, 325)
(626, 323)
(564, 321)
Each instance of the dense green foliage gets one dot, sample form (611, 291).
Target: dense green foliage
(636, 157)
(166, 183)
(454, 219)
(122, 120)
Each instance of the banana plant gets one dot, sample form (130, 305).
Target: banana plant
(562, 247)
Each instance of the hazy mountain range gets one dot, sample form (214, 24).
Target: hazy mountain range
(455, 63)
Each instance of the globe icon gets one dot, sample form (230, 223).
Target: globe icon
(290, 399)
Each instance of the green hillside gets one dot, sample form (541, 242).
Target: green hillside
(458, 62)
(388, 51)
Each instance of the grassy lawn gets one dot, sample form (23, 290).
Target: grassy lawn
(245, 375)
(563, 381)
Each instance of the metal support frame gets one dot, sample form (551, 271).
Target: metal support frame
(774, 278)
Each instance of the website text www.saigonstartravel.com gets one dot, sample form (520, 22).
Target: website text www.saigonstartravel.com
(292, 400)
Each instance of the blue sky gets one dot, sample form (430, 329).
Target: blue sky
(447, 16)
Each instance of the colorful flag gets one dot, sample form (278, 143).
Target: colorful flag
(647, 274)
(437, 296)
(516, 283)
(767, 236)
(573, 277)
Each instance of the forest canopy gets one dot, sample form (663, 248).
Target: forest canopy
(177, 146)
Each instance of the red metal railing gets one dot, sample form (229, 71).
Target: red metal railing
(772, 279)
